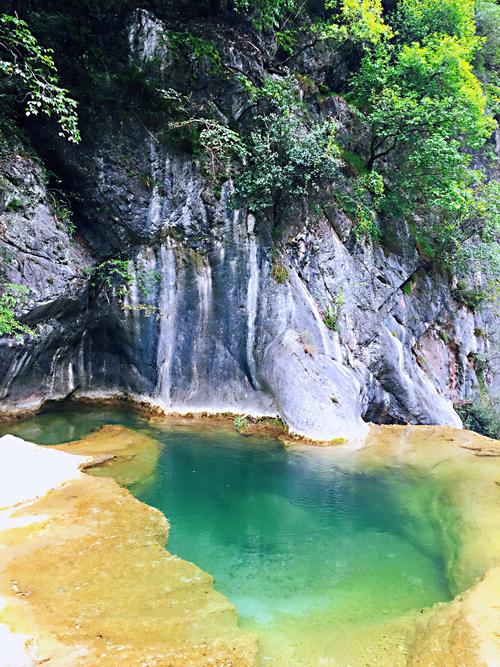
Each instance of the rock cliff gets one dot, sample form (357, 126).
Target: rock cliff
(222, 309)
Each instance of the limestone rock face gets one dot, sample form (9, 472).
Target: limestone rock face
(214, 330)
(38, 252)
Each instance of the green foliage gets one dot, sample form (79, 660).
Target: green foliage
(330, 317)
(218, 148)
(445, 336)
(146, 281)
(119, 275)
(355, 162)
(366, 225)
(476, 255)
(333, 310)
(287, 40)
(286, 158)
(265, 13)
(280, 94)
(416, 89)
(218, 144)
(426, 110)
(244, 422)
(241, 423)
(329, 30)
(477, 234)
(472, 297)
(360, 22)
(183, 116)
(481, 415)
(196, 48)
(363, 19)
(29, 69)
(14, 205)
(416, 20)
(273, 422)
(112, 273)
(368, 193)
(407, 287)
(278, 272)
(62, 211)
(288, 155)
(422, 97)
(360, 199)
(488, 27)
(11, 297)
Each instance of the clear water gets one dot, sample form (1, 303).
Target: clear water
(293, 538)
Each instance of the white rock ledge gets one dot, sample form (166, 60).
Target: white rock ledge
(28, 471)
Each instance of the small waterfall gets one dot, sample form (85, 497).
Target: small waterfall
(204, 288)
(71, 376)
(168, 315)
(15, 368)
(252, 299)
(131, 302)
(155, 202)
(53, 374)
(203, 282)
(82, 372)
(322, 330)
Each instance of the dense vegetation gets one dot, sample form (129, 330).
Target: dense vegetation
(422, 80)
(418, 90)
(423, 84)
(28, 76)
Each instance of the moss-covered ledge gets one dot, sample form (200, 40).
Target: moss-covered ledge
(85, 578)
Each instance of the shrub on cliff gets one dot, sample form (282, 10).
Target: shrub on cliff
(481, 415)
(427, 110)
(11, 297)
(28, 72)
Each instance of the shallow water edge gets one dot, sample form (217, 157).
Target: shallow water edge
(466, 466)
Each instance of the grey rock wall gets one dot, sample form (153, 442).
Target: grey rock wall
(214, 331)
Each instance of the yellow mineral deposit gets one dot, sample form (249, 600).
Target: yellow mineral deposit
(133, 454)
(465, 632)
(86, 579)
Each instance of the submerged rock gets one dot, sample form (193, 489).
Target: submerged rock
(86, 579)
(133, 454)
(121, 594)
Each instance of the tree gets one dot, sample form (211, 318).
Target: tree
(29, 69)
(426, 111)
(265, 13)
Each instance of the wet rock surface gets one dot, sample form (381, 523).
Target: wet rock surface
(214, 330)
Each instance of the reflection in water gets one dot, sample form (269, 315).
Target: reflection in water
(286, 534)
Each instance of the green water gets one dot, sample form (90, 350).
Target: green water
(290, 536)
